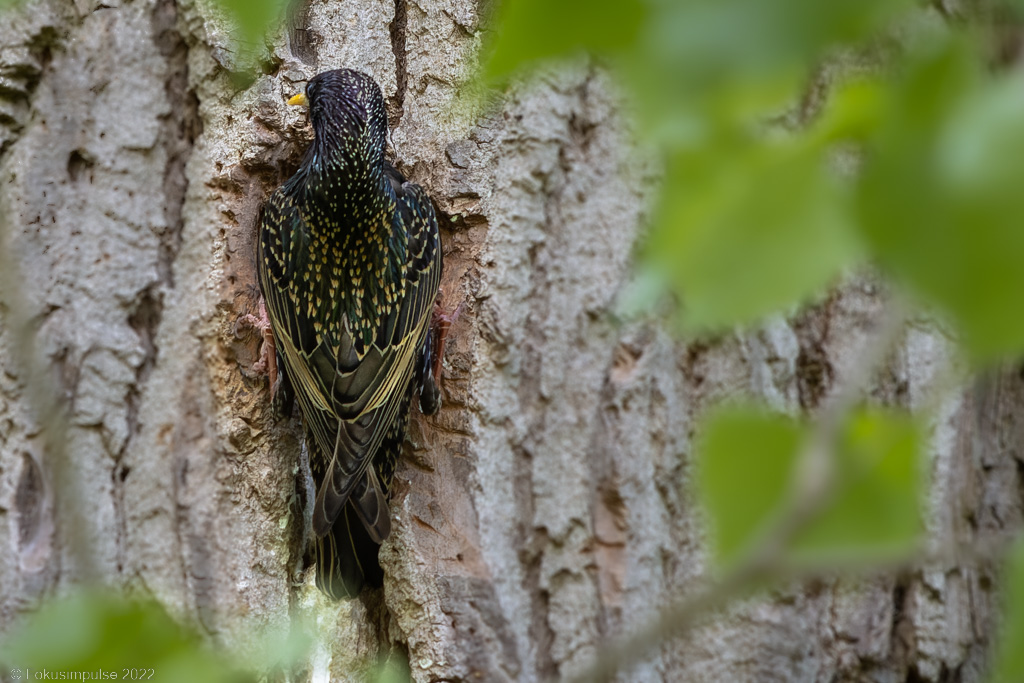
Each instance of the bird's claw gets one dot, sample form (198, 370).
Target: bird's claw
(440, 323)
(267, 364)
(433, 357)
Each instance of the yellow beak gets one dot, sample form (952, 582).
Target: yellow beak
(298, 99)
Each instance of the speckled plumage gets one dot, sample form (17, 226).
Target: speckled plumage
(349, 263)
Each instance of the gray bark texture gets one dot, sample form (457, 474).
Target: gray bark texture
(545, 509)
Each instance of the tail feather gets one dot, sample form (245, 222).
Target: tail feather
(370, 503)
(346, 558)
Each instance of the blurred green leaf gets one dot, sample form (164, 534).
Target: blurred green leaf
(746, 229)
(90, 631)
(707, 43)
(394, 669)
(940, 198)
(686, 44)
(875, 508)
(744, 472)
(854, 112)
(253, 18)
(529, 30)
(279, 649)
(701, 56)
(1009, 654)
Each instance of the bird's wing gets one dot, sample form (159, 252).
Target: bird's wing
(399, 338)
(350, 392)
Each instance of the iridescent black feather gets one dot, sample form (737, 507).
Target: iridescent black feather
(349, 264)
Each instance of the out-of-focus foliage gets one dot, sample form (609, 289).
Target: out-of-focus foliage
(748, 468)
(915, 164)
(750, 223)
(1009, 665)
(252, 19)
(685, 56)
(93, 631)
(394, 669)
(567, 26)
(873, 509)
(940, 196)
(754, 220)
(743, 486)
(750, 230)
(134, 639)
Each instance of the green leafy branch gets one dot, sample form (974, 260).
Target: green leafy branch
(913, 164)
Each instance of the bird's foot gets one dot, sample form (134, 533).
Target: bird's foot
(440, 324)
(267, 364)
(433, 357)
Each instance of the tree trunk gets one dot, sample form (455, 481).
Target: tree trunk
(545, 509)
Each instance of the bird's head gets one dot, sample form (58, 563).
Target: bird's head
(345, 105)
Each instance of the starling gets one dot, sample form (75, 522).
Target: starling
(349, 264)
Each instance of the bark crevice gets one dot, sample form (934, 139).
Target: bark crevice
(398, 30)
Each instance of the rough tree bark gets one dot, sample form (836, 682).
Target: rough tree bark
(545, 508)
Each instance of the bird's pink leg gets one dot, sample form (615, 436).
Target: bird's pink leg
(440, 323)
(268, 352)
